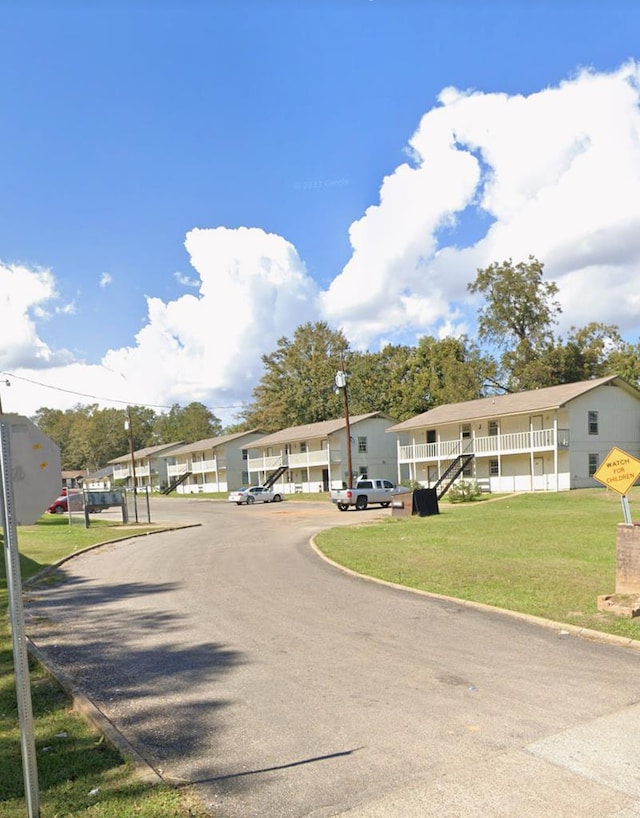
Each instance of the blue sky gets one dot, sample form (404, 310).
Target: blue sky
(185, 182)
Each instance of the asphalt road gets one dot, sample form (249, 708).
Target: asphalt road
(232, 656)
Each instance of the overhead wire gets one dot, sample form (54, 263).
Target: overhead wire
(99, 398)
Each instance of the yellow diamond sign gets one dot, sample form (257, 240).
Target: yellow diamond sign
(619, 471)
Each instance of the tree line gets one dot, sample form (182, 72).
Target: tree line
(516, 350)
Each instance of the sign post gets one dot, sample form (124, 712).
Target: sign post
(29, 480)
(619, 471)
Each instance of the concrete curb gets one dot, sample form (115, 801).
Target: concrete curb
(562, 627)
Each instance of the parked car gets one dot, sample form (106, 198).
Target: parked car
(365, 492)
(255, 494)
(61, 504)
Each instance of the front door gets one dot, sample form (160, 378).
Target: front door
(539, 483)
(325, 479)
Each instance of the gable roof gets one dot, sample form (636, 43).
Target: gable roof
(309, 431)
(150, 451)
(212, 442)
(535, 400)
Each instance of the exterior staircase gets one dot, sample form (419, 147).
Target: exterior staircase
(176, 482)
(453, 470)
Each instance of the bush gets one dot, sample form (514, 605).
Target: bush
(411, 484)
(464, 491)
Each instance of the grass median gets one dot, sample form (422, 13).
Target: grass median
(78, 772)
(550, 555)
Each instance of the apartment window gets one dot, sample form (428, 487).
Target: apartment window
(362, 445)
(592, 423)
(467, 471)
(303, 446)
(364, 472)
(431, 435)
(494, 468)
(245, 454)
(594, 462)
(465, 431)
(493, 428)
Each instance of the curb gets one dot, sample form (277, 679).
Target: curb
(562, 627)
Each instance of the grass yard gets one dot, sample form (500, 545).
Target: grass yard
(79, 774)
(550, 555)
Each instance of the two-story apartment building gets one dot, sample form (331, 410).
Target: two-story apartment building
(314, 456)
(149, 464)
(548, 439)
(214, 464)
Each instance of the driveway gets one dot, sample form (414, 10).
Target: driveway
(231, 656)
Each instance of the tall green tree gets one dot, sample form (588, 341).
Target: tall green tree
(517, 318)
(297, 384)
(188, 424)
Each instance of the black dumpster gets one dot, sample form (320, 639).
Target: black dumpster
(425, 502)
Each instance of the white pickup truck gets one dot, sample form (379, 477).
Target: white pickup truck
(363, 494)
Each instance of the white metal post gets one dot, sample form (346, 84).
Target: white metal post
(16, 612)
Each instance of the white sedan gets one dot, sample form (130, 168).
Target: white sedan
(255, 494)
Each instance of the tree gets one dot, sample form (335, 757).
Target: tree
(405, 381)
(188, 424)
(297, 384)
(517, 317)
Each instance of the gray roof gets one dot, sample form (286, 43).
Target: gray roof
(536, 400)
(212, 442)
(309, 431)
(150, 451)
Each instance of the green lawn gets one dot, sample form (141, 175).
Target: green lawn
(79, 773)
(550, 555)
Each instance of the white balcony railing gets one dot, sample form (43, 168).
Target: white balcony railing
(299, 460)
(512, 443)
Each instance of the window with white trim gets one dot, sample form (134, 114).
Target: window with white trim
(362, 445)
(494, 468)
(594, 462)
(592, 423)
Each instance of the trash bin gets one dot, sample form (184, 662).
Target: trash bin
(402, 503)
(425, 502)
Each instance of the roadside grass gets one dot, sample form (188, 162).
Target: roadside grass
(79, 774)
(550, 555)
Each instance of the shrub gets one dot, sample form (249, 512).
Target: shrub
(464, 491)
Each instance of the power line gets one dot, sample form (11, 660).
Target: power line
(110, 400)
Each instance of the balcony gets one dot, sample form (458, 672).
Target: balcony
(300, 460)
(539, 440)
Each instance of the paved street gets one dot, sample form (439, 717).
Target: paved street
(231, 655)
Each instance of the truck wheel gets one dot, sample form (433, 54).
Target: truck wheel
(342, 506)
(361, 502)
(384, 505)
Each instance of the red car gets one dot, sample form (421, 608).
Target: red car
(61, 504)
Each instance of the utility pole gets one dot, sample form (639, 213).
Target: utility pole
(128, 425)
(341, 383)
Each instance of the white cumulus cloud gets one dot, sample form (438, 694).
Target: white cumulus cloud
(555, 174)
(24, 296)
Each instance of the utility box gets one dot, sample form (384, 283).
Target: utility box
(402, 503)
(425, 502)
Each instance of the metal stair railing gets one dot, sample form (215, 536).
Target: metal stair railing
(271, 479)
(453, 470)
(176, 482)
